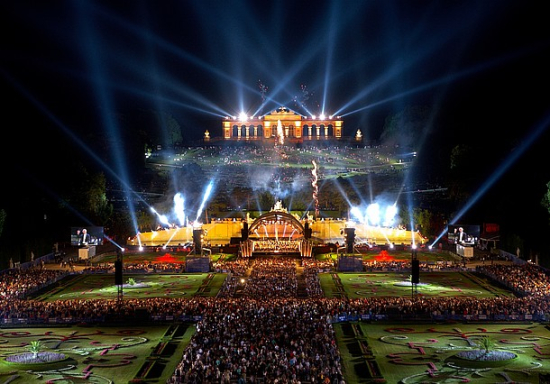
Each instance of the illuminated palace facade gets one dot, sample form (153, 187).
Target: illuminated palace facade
(282, 124)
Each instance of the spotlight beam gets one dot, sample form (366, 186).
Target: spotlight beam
(442, 80)
(75, 138)
(204, 200)
(331, 39)
(95, 56)
(529, 140)
(171, 48)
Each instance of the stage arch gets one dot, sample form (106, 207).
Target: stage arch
(275, 224)
(276, 232)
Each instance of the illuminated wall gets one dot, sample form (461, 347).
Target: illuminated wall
(221, 232)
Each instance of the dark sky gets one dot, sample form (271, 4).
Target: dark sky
(199, 60)
(72, 67)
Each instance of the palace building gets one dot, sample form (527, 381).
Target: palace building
(282, 125)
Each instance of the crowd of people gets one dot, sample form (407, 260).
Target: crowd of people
(272, 340)
(527, 279)
(271, 277)
(273, 245)
(266, 334)
(137, 268)
(396, 266)
(15, 284)
(258, 329)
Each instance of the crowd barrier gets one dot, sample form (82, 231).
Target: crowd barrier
(415, 317)
(340, 318)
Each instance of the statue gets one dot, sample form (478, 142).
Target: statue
(278, 206)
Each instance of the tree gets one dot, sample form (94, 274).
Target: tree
(461, 164)
(346, 188)
(35, 346)
(243, 197)
(88, 196)
(329, 195)
(172, 129)
(298, 201)
(462, 156)
(406, 127)
(429, 222)
(424, 219)
(120, 225)
(546, 198)
(486, 344)
(97, 205)
(513, 243)
(2, 220)
(266, 200)
(145, 221)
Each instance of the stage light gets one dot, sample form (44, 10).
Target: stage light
(373, 214)
(389, 216)
(164, 219)
(357, 213)
(243, 116)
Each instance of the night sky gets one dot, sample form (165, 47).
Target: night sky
(70, 69)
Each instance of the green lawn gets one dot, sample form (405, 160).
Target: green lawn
(426, 353)
(96, 354)
(397, 284)
(102, 286)
(371, 352)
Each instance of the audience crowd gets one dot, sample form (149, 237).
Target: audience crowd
(271, 277)
(15, 284)
(259, 328)
(526, 280)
